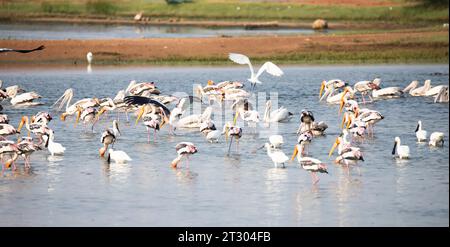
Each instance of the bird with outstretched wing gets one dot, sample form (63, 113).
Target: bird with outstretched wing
(140, 100)
(21, 51)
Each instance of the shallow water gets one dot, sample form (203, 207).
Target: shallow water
(61, 31)
(243, 189)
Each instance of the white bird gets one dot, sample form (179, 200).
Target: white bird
(53, 147)
(89, 57)
(184, 149)
(210, 131)
(268, 67)
(279, 115)
(277, 156)
(387, 92)
(120, 157)
(421, 91)
(442, 96)
(434, 90)
(420, 133)
(401, 150)
(276, 141)
(436, 139)
(26, 99)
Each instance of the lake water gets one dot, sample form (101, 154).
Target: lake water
(61, 31)
(243, 189)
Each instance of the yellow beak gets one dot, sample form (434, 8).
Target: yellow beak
(78, 117)
(348, 124)
(141, 112)
(235, 117)
(21, 125)
(102, 110)
(322, 87)
(295, 153)
(63, 116)
(343, 120)
(336, 143)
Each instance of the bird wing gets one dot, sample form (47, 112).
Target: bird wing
(22, 51)
(270, 68)
(139, 100)
(241, 59)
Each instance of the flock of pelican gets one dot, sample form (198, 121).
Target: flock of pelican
(155, 110)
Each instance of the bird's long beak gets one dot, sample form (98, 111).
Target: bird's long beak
(295, 153)
(141, 112)
(344, 117)
(21, 124)
(356, 112)
(393, 149)
(78, 116)
(322, 87)
(348, 124)
(336, 143)
(63, 116)
(235, 117)
(417, 128)
(102, 110)
(341, 106)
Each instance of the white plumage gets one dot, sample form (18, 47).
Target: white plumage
(436, 139)
(25, 98)
(277, 156)
(53, 147)
(420, 133)
(276, 141)
(268, 67)
(120, 157)
(89, 57)
(401, 150)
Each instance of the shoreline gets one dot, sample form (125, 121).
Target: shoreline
(373, 48)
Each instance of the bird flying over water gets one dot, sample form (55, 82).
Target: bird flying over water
(21, 51)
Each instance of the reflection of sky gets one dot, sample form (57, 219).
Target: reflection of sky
(83, 31)
(219, 190)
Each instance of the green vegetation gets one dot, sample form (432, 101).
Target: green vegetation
(229, 10)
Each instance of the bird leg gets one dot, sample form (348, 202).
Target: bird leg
(154, 135)
(359, 170)
(229, 147)
(237, 145)
(148, 135)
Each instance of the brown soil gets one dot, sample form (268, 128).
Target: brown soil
(129, 50)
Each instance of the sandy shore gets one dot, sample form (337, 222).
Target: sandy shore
(290, 48)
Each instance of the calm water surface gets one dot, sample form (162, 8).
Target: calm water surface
(90, 31)
(243, 189)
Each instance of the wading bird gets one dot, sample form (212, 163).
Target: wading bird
(402, 151)
(184, 149)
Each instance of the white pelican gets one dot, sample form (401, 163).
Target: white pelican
(279, 115)
(436, 139)
(411, 86)
(420, 133)
(120, 157)
(277, 156)
(233, 132)
(442, 96)
(184, 149)
(26, 148)
(421, 91)
(310, 164)
(268, 67)
(208, 128)
(370, 117)
(401, 150)
(8, 149)
(53, 147)
(71, 109)
(89, 57)
(337, 98)
(435, 90)
(26, 99)
(194, 120)
(387, 92)
(2, 50)
(109, 137)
